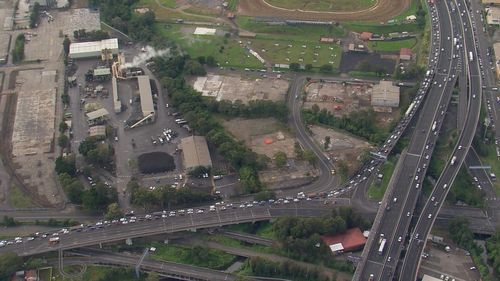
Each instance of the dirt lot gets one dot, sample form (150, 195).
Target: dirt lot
(339, 98)
(383, 11)
(342, 146)
(254, 132)
(235, 88)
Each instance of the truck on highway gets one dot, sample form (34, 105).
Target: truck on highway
(453, 160)
(434, 126)
(471, 56)
(410, 108)
(382, 246)
(53, 241)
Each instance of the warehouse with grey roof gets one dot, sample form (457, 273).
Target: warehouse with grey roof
(195, 152)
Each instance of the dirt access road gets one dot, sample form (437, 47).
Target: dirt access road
(382, 11)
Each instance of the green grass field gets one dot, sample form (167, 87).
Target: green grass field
(303, 52)
(391, 46)
(323, 5)
(231, 55)
(209, 258)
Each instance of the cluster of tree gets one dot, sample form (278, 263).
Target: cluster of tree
(208, 60)
(493, 249)
(93, 35)
(367, 66)
(9, 264)
(199, 171)
(8, 221)
(200, 118)
(420, 16)
(18, 51)
(164, 197)
(118, 13)
(287, 269)
(57, 223)
(461, 190)
(462, 235)
(99, 154)
(35, 15)
(254, 108)
(359, 123)
(301, 237)
(93, 199)
(280, 159)
(307, 155)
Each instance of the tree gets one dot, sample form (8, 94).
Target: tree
(280, 159)
(211, 61)
(294, 66)
(63, 127)
(308, 67)
(35, 14)
(114, 211)
(66, 44)
(327, 142)
(299, 153)
(9, 263)
(63, 141)
(66, 165)
(9, 221)
(326, 68)
(310, 157)
(87, 145)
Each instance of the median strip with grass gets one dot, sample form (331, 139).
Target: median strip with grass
(377, 189)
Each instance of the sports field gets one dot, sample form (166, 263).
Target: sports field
(302, 52)
(323, 5)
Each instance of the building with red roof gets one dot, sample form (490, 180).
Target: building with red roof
(351, 240)
(365, 36)
(405, 54)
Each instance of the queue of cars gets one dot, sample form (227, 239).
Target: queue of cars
(54, 237)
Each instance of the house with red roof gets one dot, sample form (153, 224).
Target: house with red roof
(365, 36)
(405, 54)
(351, 240)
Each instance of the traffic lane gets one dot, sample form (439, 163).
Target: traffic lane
(152, 227)
(418, 143)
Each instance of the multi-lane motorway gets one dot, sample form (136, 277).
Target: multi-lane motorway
(428, 215)
(404, 190)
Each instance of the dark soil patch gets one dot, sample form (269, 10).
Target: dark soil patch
(156, 162)
(350, 62)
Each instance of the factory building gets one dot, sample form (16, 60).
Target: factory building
(385, 95)
(93, 49)
(147, 105)
(195, 152)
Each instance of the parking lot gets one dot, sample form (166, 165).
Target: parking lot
(129, 143)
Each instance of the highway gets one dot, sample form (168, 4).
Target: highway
(110, 232)
(399, 202)
(427, 217)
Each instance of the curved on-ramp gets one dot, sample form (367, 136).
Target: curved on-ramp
(383, 10)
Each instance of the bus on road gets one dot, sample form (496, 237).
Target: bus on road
(382, 246)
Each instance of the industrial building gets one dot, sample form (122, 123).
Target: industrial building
(117, 105)
(349, 241)
(385, 95)
(204, 31)
(195, 152)
(97, 131)
(97, 115)
(493, 15)
(147, 105)
(93, 49)
(496, 48)
(405, 54)
(4, 47)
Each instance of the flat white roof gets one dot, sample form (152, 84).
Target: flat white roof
(97, 114)
(94, 46)
(430, 278)
(336, 247)
(146, 95)
(204, 31)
